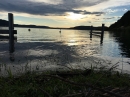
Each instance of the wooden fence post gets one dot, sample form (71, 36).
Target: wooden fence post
(91, 29)
(102, 33)
(11, 34)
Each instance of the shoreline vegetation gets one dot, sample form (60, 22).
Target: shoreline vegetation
(90, 82)
(74, 83)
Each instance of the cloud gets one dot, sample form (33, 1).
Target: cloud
(81, 3)
(109, 18)
(114, 17)
(46, 7)
(116, 9)
(55, 2)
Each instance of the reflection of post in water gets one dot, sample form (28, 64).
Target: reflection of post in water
(91, 29)
(11, 36)
(60, 32)
(102, 34)
(12, 57)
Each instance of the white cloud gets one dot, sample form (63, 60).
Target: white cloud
(107, 4)
(55, 2)
(125, 10)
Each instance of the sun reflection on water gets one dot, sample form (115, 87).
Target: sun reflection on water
(72, 42)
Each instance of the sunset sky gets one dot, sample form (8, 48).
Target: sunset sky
(64, 13)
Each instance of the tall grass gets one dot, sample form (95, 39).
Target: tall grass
(75, 83)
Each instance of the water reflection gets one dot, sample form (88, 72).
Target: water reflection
(4, 38)
(75, 38)
(12, 58)
(71, 38)
(48, 48)
(124, 42)
(72, 42)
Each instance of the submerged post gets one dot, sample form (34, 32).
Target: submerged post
(91, 29)
(102, 33)
(11, 34)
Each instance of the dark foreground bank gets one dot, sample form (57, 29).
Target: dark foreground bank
(74, 83)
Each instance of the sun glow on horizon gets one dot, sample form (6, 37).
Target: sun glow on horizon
(74, 16)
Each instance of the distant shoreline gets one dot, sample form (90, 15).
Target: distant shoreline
(4, 23)
(71, 28)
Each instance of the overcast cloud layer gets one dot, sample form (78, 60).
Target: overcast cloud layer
(46, 8)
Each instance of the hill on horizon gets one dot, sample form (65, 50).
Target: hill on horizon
(4, 23)
(88, 28)
(124, 21)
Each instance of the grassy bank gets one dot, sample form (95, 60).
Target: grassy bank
(75, 83)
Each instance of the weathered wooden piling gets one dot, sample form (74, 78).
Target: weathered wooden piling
(11, 34)
(102, 33)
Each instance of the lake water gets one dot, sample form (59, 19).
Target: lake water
(79, 40)
(48, 49)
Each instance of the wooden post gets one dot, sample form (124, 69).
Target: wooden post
(11, 34)
(91, 29)
(102, 33)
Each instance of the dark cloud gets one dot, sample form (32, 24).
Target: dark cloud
(119, 17)
(115, 17)
(89, 22)
(96, 19)
(109, 18)
(98, 15)
(81, 3)
(41, 8)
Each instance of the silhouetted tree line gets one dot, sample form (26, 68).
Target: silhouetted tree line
(88, 28)
(3, 23)
(122, 24)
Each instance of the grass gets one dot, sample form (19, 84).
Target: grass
(49, 84)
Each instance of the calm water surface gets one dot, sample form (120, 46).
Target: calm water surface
(78, 39)
(47, 49)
